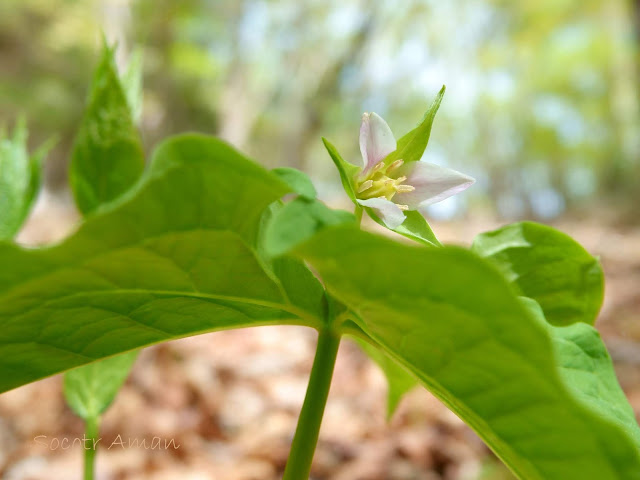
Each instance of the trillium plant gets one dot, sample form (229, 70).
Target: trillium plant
(204, 239)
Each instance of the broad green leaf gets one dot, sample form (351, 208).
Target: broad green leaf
(90, 389)
(20, 176)
(297, 221)
(399, 381)
(107, 156)
(450, 318)
(548, 266)
(587, 370)
(173, 257)
(298, 181)
(347, 170)
(411, 146)
(131, 80)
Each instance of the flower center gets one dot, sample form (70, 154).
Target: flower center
(380, 182)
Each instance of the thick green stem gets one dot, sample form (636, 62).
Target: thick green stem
(91, 434)
(308, 429)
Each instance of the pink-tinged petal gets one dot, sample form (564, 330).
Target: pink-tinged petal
(432, 183)
(376, 140)
(388, 211)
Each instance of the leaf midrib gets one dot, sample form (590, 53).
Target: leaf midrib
(311, 321)
(82, 262)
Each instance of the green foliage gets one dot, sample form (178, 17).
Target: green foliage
(89, 390)
(450, 318)
(204, 241)
(175, 257)
(107, 156)
(548, 266)
(131, 80)
(20, 176)
(199, 245)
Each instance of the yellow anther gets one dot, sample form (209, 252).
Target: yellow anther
(399, 180)
(377, 167)
(397, 164)
(365, 186)
(405, 188)
(402, 207)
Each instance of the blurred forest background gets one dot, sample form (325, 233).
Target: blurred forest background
(542, 108)
(542, 102)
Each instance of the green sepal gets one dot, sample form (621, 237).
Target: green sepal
(414, 227)
(411, 146)
(346, 170)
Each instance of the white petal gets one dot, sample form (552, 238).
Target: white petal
(376, 140)
(388, 211)
(432, 183)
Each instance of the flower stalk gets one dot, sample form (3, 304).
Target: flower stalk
(306, 437)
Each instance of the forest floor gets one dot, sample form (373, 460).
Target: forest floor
(229, 400)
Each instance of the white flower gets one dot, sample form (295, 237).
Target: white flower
(391, 189)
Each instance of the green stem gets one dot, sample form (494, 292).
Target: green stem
(91, 433)
(308, 429)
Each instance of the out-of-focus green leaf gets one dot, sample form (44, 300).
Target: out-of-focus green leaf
(548, 266)
(298, 181)
(399, 381)
(131, 80)
(345, 169)
(90, 389)
(107, 156)
(411, 146)
(299, 220)
(174, 257)
(449, 317)
(20, 176)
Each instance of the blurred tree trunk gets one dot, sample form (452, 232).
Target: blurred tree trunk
(319, 100)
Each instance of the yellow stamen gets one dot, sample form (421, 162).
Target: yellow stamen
(405, 188)
(365, 186)
(377, 167)
(397, 164)
(402, 207)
